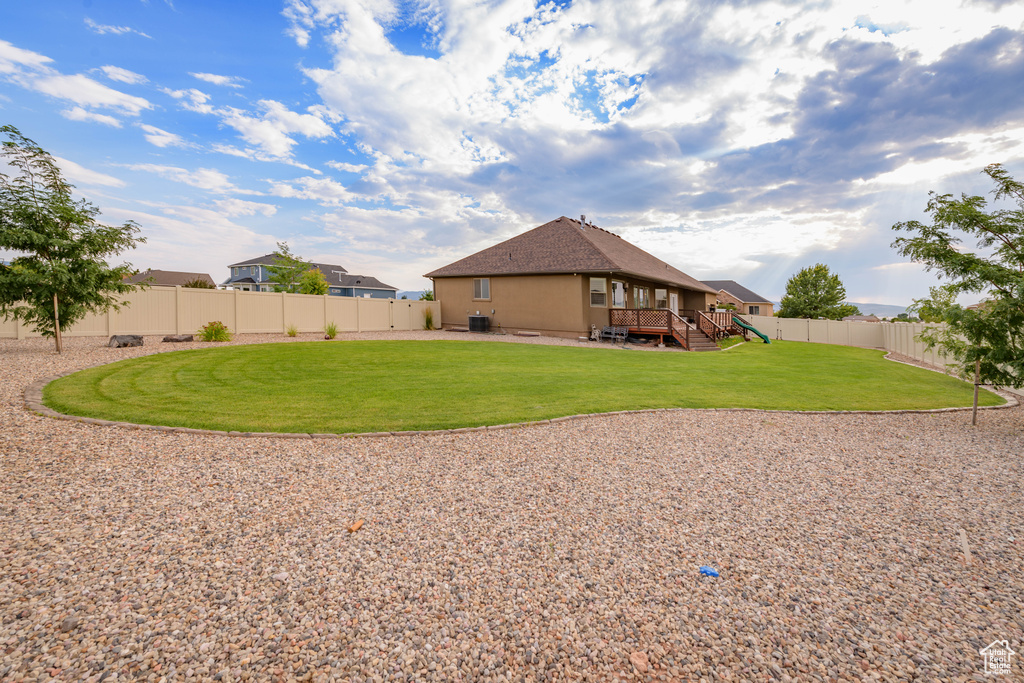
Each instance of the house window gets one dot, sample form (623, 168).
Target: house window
(641, 297)
(598, 292)
(754, 310)
(618, 294)
(482, 288)
(661, 298)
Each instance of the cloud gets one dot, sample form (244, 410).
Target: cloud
(13, 59)
(208, 179)
(226, 81)
(347, 167)
(271, 131)
(324, 191)
(161, 138)
(241, 207)
(173, 231)
(87, 92)
(85, 176)
(32, 71)
(191, 100)
(104, 29)
(116, 73)
(79, 114)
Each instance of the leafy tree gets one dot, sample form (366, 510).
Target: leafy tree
(991, 337)
(313, 282)
(427, 295)
(62, 274)
(815, 292)
(198, 283)
(287, 269)
(931, 308)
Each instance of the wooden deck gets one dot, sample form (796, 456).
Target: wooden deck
(694, 330)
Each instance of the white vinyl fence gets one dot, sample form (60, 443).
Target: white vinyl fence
(182, 310)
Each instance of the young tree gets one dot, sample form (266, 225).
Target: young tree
(988, 340)
(62, 274)
(313, 282)
(815, 292)
(427, 295)
(287, 270)
(932, 308)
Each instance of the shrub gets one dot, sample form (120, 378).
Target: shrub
(331, 330)
(199, 283)
(428, 319)
(292, 330)
(214, 332)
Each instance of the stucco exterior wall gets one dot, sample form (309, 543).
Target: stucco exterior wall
(555, 305)
(549, 304)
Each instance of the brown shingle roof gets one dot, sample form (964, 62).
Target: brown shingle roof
(170, 278)
(564, 246)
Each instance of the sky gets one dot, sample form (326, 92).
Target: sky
(736, 140)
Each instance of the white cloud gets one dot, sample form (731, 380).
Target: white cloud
(116, 73)
(103, 29)
(12, 59)
(226, 81)
(86, 176)
(79, 114)
(324, 191)
(162, 138)
(85, 91)
(240, 207)
(192, 100)
(174, 233)
(208, 179)
(347, 167)
(271, 131)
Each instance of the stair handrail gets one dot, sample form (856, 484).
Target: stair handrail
(677, 323)
(709, 326)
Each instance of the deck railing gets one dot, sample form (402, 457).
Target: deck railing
(709, 327)
(656, 321)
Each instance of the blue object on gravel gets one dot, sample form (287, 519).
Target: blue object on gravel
(708, 571)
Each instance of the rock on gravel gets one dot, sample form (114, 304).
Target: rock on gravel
(568, 551)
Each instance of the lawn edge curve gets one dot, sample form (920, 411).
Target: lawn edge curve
(34, 403)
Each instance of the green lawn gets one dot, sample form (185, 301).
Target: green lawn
(366, 386)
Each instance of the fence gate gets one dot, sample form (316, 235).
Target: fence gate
(401, 314)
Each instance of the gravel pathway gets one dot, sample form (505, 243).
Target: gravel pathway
(567, 551)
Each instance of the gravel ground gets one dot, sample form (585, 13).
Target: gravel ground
(567, 551)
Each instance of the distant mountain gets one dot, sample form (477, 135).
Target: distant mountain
(414, 295)
(880, 310)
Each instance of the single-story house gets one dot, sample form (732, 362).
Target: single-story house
(253, 276)
(169, 278)
(559, 279)
(745, 301)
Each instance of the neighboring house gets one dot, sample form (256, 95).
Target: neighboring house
(253, 276)
(745, 301)
(863, 319)
(559, 279)
(169, 278)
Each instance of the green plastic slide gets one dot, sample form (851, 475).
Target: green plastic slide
(748, 327)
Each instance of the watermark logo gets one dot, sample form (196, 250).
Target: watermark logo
(997, 658)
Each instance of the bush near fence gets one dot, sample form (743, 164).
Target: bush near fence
(183, 310)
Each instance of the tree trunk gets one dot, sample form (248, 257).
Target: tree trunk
(56, 326)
